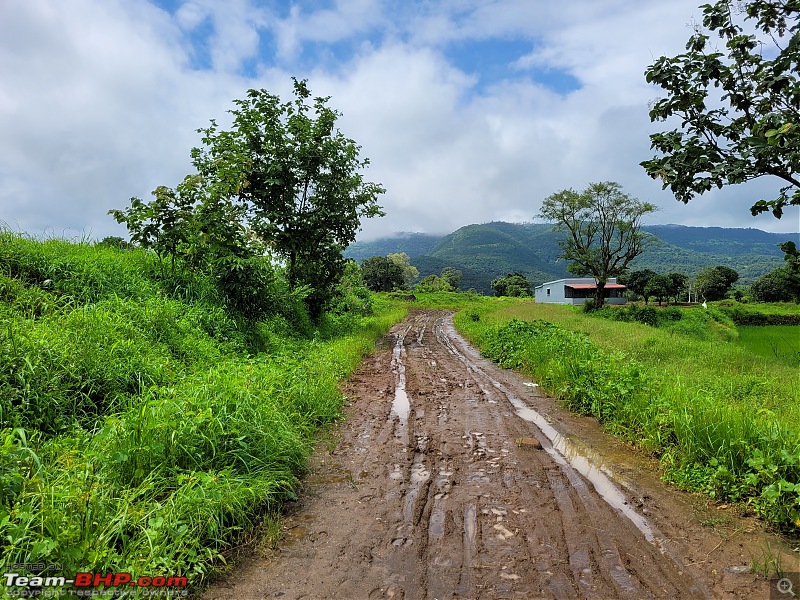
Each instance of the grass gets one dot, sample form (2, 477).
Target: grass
(143, 428)
(778, 342)
(722, 419)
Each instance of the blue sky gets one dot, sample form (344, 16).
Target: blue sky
(469, 110)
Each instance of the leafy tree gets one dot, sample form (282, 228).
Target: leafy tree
(187, 225)
(352, 295)
(381, 274)
(755, 129)
(779, 285)
(604, 230)
(513, 284)
(205, 233)
(114, 241)
(658, 286)
(452, 278)
(433, 283)
(410, 272)
(677, 284)
(299, 178)
(713, 283)
(636, 281)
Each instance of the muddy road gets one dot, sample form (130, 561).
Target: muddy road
(452, 478)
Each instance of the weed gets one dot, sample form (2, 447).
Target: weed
(769, 565)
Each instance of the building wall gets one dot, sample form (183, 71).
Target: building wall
(554, 292)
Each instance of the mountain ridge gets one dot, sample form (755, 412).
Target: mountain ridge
(486, 251)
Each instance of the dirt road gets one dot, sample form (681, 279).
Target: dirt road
(441, 485)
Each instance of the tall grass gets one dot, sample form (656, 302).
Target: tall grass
(722, 419)
(144, 428)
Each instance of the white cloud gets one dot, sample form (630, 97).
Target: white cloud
(101, 100)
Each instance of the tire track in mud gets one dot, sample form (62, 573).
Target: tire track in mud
(428, 495)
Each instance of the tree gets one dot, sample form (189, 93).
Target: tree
(603, 227)
(381, 274)
(779, 285)
(431, 283)
(189, 225)
(658, 286)
(513, 284)
(452, 278)
(299, 178)
(755, 129)
(714, 282)
(410, 272)
(677, 284)
(636, 281)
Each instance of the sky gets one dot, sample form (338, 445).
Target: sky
(469, 111)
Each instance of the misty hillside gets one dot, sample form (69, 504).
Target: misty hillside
(484, 252)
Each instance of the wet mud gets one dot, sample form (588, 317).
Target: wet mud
(452, 478)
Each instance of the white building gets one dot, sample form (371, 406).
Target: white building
(577, 290)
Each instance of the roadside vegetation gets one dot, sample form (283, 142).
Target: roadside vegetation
(145, 427)
(723, 418)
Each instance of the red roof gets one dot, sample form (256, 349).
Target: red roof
(591, 286)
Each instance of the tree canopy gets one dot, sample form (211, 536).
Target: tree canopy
(282, 181)
(603, 229)
(410, 272)
(382, 274)
(739, 104)
(713, 283)
(779, 285)
(513, 284)
(299, 178)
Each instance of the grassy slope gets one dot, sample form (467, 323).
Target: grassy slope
(142, 428)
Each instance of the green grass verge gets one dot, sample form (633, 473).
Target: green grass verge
(144, 429)
(723, 420)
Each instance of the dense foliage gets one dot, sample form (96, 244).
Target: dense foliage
(513, 284)
(146, 427)
(713, 283)
(753, 130)
(779, 285)
(603, 228)
(283, 180)
(381, 274)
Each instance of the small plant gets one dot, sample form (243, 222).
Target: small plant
(769, 565)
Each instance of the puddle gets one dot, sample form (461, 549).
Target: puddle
(401, 406)
(565, 452)
(437, 523)
(470, 525)
(419, 475)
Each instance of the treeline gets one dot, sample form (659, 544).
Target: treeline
(395, 272)
(713, 283)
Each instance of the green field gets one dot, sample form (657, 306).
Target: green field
(779, 342)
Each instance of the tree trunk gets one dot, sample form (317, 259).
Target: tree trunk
(292, 276)
(598, 296)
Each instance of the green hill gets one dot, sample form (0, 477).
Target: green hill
(484, 252)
